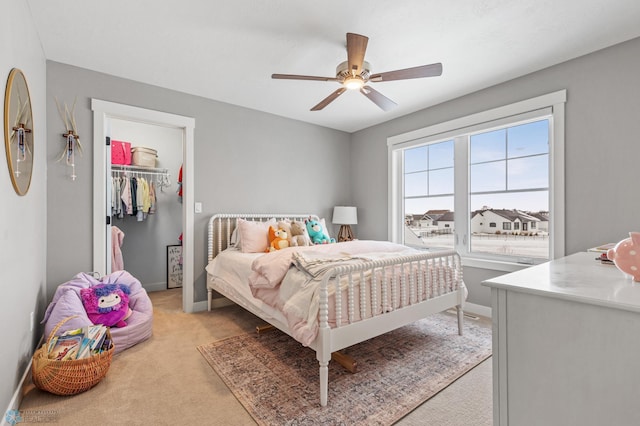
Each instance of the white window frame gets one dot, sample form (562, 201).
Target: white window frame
(551, 105)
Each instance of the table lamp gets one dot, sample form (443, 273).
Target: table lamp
(345, 216)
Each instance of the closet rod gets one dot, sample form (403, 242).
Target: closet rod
(140, 172)
(139, 169)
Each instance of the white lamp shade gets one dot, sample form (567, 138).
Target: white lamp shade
(345, 215)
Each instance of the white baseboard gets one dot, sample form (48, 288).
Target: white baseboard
(155, 286)
(472, 308)
(221, 302)
(16, 399)
(200, 306)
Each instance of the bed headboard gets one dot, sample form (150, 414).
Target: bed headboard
(221, 227)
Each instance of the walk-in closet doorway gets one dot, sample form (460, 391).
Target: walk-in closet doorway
(174, 134)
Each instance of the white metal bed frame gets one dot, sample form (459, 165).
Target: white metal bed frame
(347, 333)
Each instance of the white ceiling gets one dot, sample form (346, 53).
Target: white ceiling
(227, 50)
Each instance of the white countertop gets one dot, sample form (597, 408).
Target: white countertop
(578, 277)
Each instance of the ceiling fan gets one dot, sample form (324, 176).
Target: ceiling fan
(355, 73)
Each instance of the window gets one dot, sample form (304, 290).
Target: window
(502, 166)
(429, 181)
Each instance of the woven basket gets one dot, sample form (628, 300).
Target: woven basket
(69, 377)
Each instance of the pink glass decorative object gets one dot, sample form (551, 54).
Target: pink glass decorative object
(626, 255)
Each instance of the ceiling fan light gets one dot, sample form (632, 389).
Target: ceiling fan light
(353, 83)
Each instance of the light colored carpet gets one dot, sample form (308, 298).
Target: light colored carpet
(276, 378)
(166, 381)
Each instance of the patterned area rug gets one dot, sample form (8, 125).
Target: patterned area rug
(276, 379)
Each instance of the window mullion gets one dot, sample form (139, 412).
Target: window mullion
(461, 185)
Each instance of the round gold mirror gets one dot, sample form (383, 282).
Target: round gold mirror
(18, 131)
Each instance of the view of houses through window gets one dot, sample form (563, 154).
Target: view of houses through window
(505, 174)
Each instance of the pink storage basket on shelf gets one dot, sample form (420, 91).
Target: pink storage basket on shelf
(120, 152)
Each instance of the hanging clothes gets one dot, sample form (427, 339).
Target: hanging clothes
(116, 191)
(142, 199)
(117, 237)
(136, 195)
(126, 196)
(180, 185)
(152, 198)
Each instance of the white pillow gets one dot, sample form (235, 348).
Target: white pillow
(234, 241)
(324, 226)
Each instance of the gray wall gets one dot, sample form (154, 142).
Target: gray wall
(602, 203)
(245, 161)
(22, 218)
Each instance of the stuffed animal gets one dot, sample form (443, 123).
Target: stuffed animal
(107, 304)
(286, 226)
(316, 232)
(299, 236)
(277, 239)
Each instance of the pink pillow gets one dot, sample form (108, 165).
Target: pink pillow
(254, 235)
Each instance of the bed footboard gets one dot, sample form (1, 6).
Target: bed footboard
(372, 298)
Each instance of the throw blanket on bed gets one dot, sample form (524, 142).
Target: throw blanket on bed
(269, 270)
(314, 264)
(289, 279)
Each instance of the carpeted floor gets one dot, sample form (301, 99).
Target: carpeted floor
(166, 381)
(276, 379)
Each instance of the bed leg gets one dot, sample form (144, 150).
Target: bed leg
(209, 299)
(349, 364)
(260, 329)
(460, 319)
(324, 382)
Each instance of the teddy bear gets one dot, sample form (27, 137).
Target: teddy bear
(286, 226)
(107, 304)
(278, 239)
(316, 232)
(298, 234)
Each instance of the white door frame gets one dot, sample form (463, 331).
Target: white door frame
(103, 111)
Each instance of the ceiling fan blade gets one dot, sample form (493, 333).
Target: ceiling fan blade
(356, 48)
(326, 101)
(432, 70)
(378, 98)
(302, 77)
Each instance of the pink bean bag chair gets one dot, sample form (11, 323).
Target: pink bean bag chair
(67, 301)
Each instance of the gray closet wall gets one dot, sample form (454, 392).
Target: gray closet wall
(144, 244)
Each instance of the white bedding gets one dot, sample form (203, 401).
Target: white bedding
(291, 293)
(230, 270)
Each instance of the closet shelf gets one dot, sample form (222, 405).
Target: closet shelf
(163, 180)
(140, 169)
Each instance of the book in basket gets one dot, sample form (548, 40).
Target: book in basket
(66, 347)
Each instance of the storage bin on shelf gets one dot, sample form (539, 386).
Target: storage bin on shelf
(120, 152)
(144, 157)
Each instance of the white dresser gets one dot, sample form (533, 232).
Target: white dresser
(566, 345)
